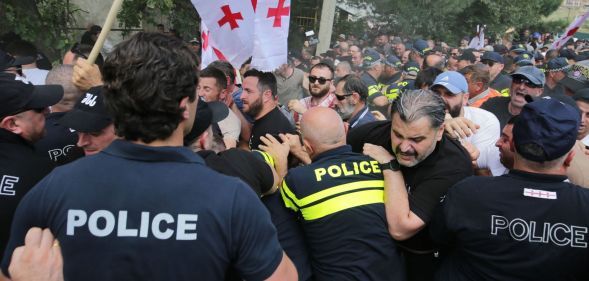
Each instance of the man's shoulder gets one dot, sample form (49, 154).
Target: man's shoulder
(481, 116)
(494, 102)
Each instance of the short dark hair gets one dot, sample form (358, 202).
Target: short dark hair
(227, 69)
(323, 65)
(217, 74)
(427, 77)
(145, 78)
(266, 80)
(478, 73)
(354, 84)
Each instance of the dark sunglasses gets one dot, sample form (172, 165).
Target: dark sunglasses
(529, 84)
(342, 97)
(490, 63)
(321, 80)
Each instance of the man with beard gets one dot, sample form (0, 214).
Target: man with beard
(527, 80)
(419, 164)
(582, 100)
(321, 89)
(453, 89)
(259, 102)
(351, 94)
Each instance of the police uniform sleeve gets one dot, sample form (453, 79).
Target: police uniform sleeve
(28, 214)
(255, 247)
(288, 195)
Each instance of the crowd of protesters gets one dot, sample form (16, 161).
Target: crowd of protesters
(384, 158)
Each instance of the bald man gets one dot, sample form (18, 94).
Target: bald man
(340, 198)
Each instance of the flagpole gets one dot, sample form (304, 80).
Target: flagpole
(114, 9)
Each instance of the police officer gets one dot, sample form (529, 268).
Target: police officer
(340, 200)
(531, 224)
(373, 69)
(22, 123)
(144, 197)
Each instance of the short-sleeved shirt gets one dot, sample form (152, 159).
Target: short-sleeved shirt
(59, 142)
(20, 169)
(135, 212)
(499, 107)
(485, 138)
(290, 88)
(274, 122)
(502, 83)
(340, 199)
(519, 226)
(426, 182)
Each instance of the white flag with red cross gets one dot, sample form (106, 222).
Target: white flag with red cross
(234, 31)
(570, 31)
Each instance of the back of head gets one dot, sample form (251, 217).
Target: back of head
(426, 77)
(545, 131)
(478, 73)
(62, 75)
(415, 104)
(323, 129)
(145, 78)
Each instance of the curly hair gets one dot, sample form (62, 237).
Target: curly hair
(145, 78)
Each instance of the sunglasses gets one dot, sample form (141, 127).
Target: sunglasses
(529, 84)
(321, 80)
(490, 63)
(342, 97)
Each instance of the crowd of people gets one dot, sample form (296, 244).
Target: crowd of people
(383, 158)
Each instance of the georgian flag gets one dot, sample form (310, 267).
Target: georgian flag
(570, 31)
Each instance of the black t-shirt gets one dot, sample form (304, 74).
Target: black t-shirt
(340, 199)
(249, 167)
(499, 107)
(426, 182)
(519, 226)
(59, 142)
(135, 212)
(502, 84)
(272, 123)
(20, 169)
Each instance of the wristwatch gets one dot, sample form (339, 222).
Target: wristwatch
(392, 165)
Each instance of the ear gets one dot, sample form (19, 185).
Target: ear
(10, 123)
(223, 94)
(511, 145)
(308, 147)
(267, 96)
(356, 97)
(184, 104)
(569, 159)
(465, 98)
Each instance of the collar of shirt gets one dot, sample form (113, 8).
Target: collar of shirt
(133, 151)
(356, 118)
(537, 177)
(479, 96)
(327, 101)
(332, 152)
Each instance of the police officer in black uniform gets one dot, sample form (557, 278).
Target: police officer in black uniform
(339, 198)
(22, 120)
(531, 224)
(143, 208)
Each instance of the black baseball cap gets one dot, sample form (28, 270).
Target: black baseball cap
(493, 56)
(89, 114)
(7, 61)
(207, 113)
(549, 124)
(16, 96)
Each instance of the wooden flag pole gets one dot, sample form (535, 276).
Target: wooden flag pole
(110, 19)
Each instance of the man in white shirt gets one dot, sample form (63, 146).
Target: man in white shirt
(453, 88)
(30, 71)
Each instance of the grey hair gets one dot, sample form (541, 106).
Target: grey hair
(415, 104)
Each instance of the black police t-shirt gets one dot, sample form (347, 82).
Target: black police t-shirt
(135, 212)
(59, 142)
(274, 123)
(426, 182)
(519, 226)
(20, 169)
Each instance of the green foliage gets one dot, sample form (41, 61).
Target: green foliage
(44, 22)
(178, 14)
(450, 20)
